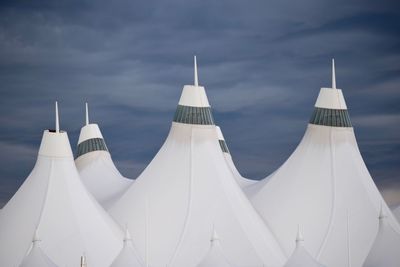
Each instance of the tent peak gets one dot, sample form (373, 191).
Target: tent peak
(332, 98)
(196, 77)
(87, 113)
(333, 74)
(57, 119)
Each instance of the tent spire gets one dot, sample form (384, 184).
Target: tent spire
(57, 119)
(299, 236)
(87, 113)
(333, 74)
(196, 77)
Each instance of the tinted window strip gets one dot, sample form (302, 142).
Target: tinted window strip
(331, 117)
(194, 115)
(223, 146)
(94, 144)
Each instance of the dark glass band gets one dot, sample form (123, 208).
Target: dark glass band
(223, 146)
(331, 117)
(90, 145)
(194, 115)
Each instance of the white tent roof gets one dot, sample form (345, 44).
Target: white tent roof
(36, 257)
(54, 201)
(243, 182)
(385, 250)
(96, 168)
(214, 256)
(326, 186)
(187, 188)
(128, 255)
(300, 256)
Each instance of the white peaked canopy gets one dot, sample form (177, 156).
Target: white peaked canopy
(215, 256)
(128, 256)
(228, 158)
(36, 257)
(386, 248)
(300, 256)
(186, 189)
(96, 168)
(54, 201)
(326, 186)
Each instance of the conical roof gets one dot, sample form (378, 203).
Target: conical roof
(243, 182)
(96, 167)
(36, 257)
(128, 255)
(300, 256)
(325, 185)
(185, 189)
(54, 201)
(385, 250)
(214, 256)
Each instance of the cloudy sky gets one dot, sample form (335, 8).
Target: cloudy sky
(262, 63)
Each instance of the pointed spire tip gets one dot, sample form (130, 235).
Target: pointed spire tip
(87, 113)
(333, 74)
(57, 119)
(196, 77)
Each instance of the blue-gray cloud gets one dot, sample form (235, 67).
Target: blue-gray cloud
(262, 63)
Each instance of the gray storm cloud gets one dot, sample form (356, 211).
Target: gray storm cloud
(262, 63)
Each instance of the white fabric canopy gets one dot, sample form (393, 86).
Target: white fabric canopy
(36, 257)
(96, 167)
(214, 256)
(300, 256)
(128, 256)
(187, 188)
(385, 250)
(101, 177)
(326, 187)
(54, 201)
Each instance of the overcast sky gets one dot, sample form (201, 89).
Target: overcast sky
(262, 63)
